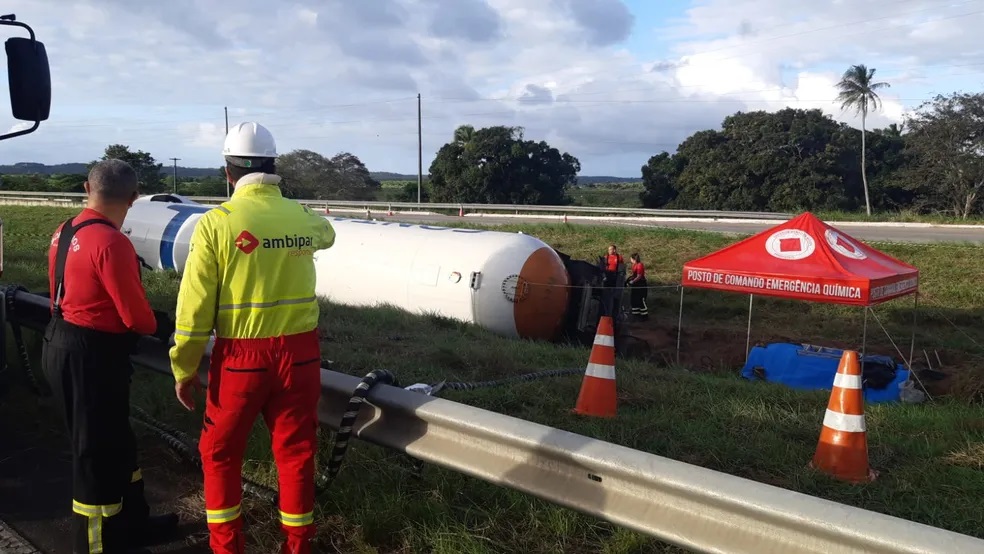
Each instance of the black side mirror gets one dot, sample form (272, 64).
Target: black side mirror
(29, 78)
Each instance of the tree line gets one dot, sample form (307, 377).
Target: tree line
(306, 175)
(794, 160)
(786, 161)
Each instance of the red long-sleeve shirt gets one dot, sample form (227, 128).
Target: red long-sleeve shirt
(612, 261)
(103, 290)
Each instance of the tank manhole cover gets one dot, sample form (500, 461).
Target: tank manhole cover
(515, 288)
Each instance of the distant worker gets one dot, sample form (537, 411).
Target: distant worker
(250, 277)
(99, 310)
(637, 288)
(611, 265)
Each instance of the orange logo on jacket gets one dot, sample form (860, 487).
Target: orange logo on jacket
(246, 242)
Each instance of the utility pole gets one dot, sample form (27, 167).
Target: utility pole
(226, 109)
(420, 152)
(175, 160)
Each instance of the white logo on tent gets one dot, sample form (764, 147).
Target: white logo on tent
(841, 244)
(790, 244)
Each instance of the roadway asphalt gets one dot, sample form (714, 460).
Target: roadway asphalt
(865, 232)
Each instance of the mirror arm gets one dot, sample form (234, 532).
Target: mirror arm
(22, 132)
(8, 20)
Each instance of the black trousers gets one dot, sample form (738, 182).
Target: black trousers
(637, 299)
(89, 373)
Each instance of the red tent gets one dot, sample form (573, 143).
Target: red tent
(805, 259)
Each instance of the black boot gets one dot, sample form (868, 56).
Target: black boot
(155, 530)
(145, 529)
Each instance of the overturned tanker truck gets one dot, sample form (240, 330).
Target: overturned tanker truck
(512, 284)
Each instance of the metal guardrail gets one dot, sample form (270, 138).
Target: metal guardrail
(517, 208)
(683, 504)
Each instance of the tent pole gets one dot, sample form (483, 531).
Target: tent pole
(748, 330)
(864, 334)
(912, 344)
(679, 325)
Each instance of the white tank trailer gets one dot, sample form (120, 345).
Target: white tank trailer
(513, 284)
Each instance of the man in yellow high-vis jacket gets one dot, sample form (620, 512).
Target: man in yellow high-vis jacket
(250, 277)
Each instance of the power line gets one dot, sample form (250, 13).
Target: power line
(175, 160)
(226, 109)
(420, 151)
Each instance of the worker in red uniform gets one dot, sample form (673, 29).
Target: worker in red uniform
(250, 279)
(99, 309)
(611, 265)
(638, 288)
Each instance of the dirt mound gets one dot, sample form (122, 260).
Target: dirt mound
(705, 349)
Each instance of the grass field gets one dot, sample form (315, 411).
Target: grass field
(930, 456)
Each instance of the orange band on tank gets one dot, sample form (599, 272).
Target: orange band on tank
(540, 312)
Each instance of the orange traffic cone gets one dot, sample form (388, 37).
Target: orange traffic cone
(843, 448)
(598, 395)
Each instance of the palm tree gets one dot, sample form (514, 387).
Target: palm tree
(463, 134)
(857, 90)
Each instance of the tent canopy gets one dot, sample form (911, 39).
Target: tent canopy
(805, 259)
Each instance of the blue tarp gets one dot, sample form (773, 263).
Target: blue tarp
(810, 367)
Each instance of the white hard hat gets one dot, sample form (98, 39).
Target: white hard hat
(249, 140)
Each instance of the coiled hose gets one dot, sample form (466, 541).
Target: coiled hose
(9, 293)
(373, 378)
(185, 446)
(507, 380)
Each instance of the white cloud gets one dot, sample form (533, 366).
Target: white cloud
(207, 136)
(333, 75)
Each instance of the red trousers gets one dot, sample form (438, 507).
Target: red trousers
(281, 379)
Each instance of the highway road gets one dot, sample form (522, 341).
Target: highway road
(918, 233)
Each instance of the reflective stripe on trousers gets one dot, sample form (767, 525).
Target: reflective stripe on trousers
(296, 520)
(94, 515)
(223, 515)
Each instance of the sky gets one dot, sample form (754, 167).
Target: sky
(612, 82)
